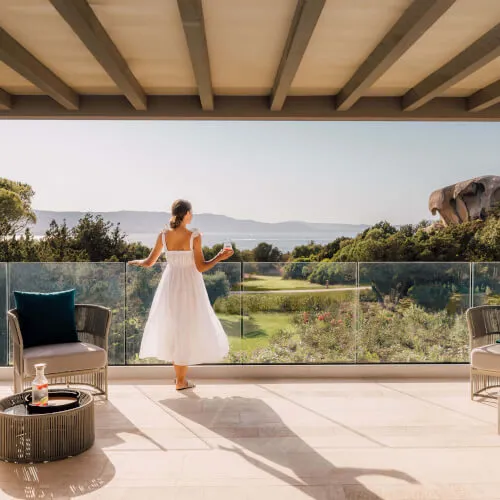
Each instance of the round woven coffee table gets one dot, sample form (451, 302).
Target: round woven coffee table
(26, 438)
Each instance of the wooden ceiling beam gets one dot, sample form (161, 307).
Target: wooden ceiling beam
(81, 18)
(481, 52)
(318, 108)
(191, 12)
(5, 100)
(410, 27)
(14, 55)
(484, 98)
(306, 17)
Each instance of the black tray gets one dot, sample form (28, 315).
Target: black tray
(59, 400)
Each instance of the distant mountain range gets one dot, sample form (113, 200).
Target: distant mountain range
(135, 222)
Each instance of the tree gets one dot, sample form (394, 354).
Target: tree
(383, 228)
(487, 241)
(95, 236)
(59, 246)
(330, 249)
(265, 252)
(307, 251)
(92, 239)
(397, 280)
(102, 241)
(15, 207)
(333, 273)
(299, 269)
(247, 256)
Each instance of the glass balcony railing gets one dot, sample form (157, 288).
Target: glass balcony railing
(299, 313)
(4, 336)
(486, 283)
(100, 283)
(413, 312)
(303, 313)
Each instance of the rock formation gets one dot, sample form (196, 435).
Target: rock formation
(466, 200)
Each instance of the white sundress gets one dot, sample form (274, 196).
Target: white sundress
(182, 326)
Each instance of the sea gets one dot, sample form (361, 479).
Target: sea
(286, 242)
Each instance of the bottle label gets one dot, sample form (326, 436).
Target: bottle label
(42, 386)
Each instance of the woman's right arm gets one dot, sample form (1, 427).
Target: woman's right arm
(205, 265)
(153, 256)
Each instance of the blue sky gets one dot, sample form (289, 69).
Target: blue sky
(349, 172)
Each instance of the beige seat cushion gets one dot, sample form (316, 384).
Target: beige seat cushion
(69, 357)
(486, 357)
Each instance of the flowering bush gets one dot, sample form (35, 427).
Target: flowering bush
(411, 334)
(405, 334)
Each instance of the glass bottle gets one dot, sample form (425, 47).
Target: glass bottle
(40, 386)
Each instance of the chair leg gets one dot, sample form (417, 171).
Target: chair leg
(105, 382)
(18, 383)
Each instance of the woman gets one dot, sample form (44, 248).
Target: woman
(182, 326)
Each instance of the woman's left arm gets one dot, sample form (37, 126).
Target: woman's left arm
(153, 256)
(205, 265)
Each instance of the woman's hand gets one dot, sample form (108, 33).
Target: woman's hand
(136, 263)
(225, 254)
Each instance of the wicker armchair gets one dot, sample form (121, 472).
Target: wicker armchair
(76, 363)
(484, 330)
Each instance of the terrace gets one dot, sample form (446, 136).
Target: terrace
(345, 381)
(321, 440)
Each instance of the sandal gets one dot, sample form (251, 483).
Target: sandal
(189, 385)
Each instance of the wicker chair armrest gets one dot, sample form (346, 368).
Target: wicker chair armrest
(17, 346)
(484, 325)
(484, 340)
(14, 328)
(93, 323)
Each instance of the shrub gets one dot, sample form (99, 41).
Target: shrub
(432, 297)
(334, 274)
(217, 286)
(411, 334)
(312, 302)
(297, 270)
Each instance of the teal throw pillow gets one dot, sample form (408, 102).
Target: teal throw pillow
(46, 318)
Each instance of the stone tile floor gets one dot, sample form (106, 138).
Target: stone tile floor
(279, 440)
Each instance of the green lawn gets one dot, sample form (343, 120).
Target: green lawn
(266, 283)
(265, 324)
(231, 324)
(256, 329)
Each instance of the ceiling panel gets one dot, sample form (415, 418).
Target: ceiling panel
(150, 37)
(13, 83)
(246, 40)
(38, 27)
(346, 34)
(459, 27)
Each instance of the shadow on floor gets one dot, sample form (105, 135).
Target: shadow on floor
(75, 476)
(315, 476)
(68, 478)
